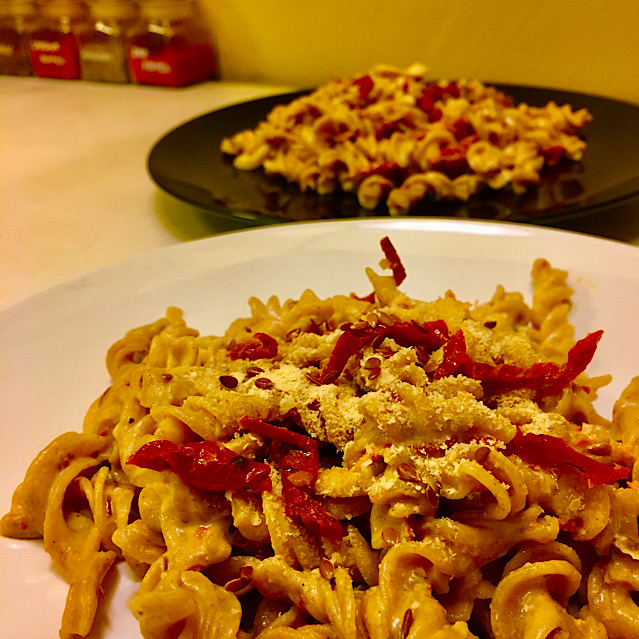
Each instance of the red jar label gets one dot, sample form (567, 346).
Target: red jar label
(172, 65)
(55, 55)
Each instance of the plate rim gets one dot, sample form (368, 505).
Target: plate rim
(430, 224)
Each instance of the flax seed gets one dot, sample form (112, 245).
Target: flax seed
(407, 622)
(389, 535)
(600, 450)
(375, 373)
(385, 318)
(264, 383)
(326, 568)
(228, 381)
(407, 472)
(371, 363)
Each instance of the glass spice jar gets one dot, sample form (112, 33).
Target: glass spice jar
(18, 19)
(54, 46)
(173, 48)
(104, 41)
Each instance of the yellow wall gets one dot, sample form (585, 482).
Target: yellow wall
(582, 45)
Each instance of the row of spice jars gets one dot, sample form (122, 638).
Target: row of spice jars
(155, 42)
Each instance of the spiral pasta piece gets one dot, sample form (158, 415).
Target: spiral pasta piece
(531, 602)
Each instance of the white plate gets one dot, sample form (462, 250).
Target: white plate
(53, 345)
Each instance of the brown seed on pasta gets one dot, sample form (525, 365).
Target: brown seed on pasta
(600, 450)
(385, 318)
(481, 454)
(390, 536)
(228, 381)
(314, 377)
(238, 586)
(375, 373)
(326, 568)
(331, 377)
(407, 472)
(371, 362)
(431, 498)
(264, 383)
(407, 622)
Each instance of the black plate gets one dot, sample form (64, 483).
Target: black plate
(188, 164)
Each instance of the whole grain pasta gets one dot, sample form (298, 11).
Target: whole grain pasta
(393, 137)
(354, 468)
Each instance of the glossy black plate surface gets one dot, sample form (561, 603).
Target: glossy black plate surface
(188, 164)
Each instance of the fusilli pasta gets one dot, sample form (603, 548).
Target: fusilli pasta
(352, 468)
(395, 137)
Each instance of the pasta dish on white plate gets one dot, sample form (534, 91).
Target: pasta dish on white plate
(394, 137)
(352, 467)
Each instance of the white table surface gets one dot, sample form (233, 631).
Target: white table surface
(75, 194)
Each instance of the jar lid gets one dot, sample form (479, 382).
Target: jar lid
(112, 9)
(20, 7)
(62, 8)
(167, 9)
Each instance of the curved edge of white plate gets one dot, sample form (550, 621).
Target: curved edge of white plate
(266, 241)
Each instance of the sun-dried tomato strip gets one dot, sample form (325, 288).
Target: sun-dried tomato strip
(548, 451)
(399, 272)
(365, 84)
(452, 157)
(429, 336)
(298, 503)
(278, 433)
(461, 128)
(553, 154)
(348, 343)
(433, 93)
(546, 378)
(455, 356)
(370, 298)
(205, 465)
(299, 462)
(263, 346)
